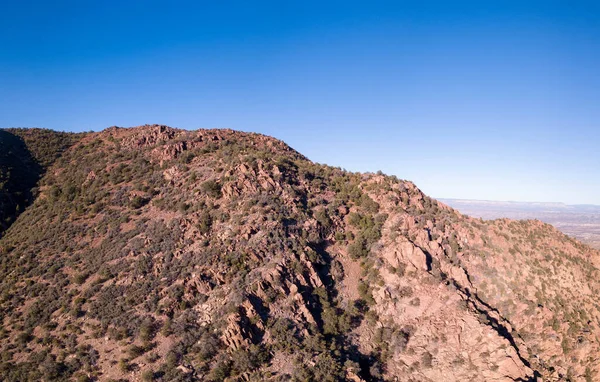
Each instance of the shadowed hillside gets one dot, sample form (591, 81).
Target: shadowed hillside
(154, 253)
(24, 156)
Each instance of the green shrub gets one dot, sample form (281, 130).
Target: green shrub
(148, 376)
(211, 188)
(80, 278)
(137, 202)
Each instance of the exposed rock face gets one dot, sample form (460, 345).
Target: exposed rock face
(219, 255)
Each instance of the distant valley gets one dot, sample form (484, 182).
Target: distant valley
(579, 221)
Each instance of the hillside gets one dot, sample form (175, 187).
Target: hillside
(24, 156)
(152, 253)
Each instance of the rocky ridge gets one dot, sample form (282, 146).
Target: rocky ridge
(220, 255)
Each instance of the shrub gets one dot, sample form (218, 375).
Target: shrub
(148, 376)
(427, 360)
(283, 332)
(365, 293)
(220, 371)
(135, 351)
(124, 365)
(80, 278)
(147, 329)
(211, 188)
(204, 222)
(137, 202)
(252, 358)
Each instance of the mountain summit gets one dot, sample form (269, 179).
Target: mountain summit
(153, 253)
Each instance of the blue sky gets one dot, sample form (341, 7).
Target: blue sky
(490, 100)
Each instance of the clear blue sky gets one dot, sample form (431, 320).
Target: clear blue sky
(485, 99)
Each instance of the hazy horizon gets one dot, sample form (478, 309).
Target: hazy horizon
(467, 100)
(441, 198)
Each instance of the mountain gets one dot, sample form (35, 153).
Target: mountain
(152, 253)
(579, 221)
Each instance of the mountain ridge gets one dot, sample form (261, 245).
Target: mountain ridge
(221, 255)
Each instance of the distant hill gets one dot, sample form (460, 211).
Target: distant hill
(580, 221)
(153, 253)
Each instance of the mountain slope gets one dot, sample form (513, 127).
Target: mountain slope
(24, 156)
(160, 254)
